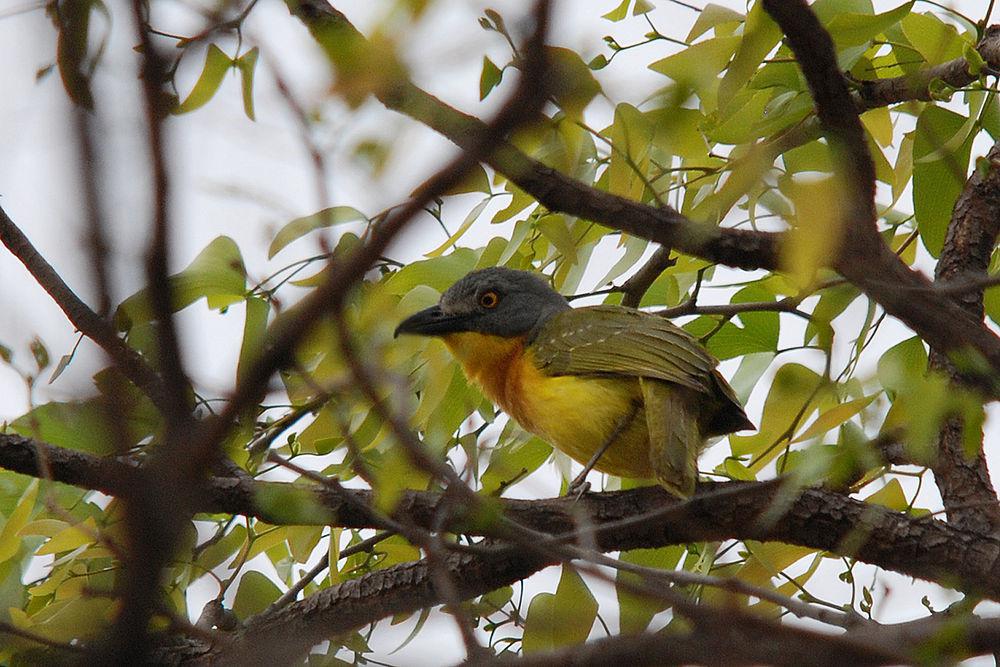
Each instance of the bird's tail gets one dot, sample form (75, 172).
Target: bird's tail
(675, 437)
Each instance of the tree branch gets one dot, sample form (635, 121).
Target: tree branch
(955, 73)
(641, 518)
(962, 476)
(645, 517)
(727, 643)
(86, 321)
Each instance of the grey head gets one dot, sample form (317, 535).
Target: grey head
(497, 301)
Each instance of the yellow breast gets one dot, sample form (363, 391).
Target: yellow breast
(575, 414)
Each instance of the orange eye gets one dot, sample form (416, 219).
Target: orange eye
(489, 299)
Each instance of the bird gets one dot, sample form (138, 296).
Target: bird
(619, 390)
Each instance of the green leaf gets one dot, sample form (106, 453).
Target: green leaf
(215, 555)
(40, 353)
(555, 227)
(936, 40)
(763, 326)
(72, 45)
(246, 64)
(438, 272)
(634, 249)
(636, 611)
(792, 386)
(217, 63)
(477, 180)
(254, 333)
(254, 595)
(571, 83)
(752, 368)
(832, 303)
(902, 365)
(472, 216)
(631, 134)
(600, 61)
(561, 619)
(71, 537)
(853, 29)
(760, 35)
(74, 619)
(699, 65)
(299, 227)
(393, 473)
(891, 495)
(991, 296)
(84, 426)
(489, 78)
(217, 274)
(513, 461)
(10, 538)
(728, 340)
(618, 13)
(834, 417)
(814, 240)
(714, 16)
(302, 540)
(290, 504)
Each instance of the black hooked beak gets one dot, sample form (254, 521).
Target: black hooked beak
(432, 322)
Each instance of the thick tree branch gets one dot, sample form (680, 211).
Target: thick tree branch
(646, 517)
(962, 476)
(933, 639)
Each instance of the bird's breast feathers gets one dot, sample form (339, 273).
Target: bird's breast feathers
(573, 413)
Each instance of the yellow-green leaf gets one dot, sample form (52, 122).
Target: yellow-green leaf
(299, 227)
(834, 417)
(212, 73)
(891, 495)
(10, 540)
(815, 237)
(254, 595)
(217, 274)
(560, 619)
(246, 64)
(70, 538)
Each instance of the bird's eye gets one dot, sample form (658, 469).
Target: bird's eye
(489, 299)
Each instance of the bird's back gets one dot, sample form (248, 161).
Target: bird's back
(611, 341)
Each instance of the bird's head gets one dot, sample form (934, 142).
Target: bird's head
(496, 301)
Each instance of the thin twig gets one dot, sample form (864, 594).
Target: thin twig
(639, 283)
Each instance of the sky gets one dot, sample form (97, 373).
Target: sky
(245, 179)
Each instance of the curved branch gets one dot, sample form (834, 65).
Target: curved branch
(746, 642)
(86, 321)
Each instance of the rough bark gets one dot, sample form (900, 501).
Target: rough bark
(962, 476)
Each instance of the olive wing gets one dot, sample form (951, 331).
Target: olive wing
(611, 340)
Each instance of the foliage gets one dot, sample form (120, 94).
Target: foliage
(824, 376)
